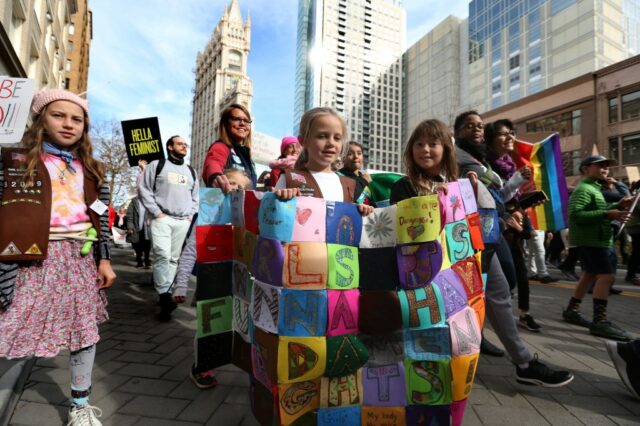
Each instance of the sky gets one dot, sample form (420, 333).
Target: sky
(143, 53)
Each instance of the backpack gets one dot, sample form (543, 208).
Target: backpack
(161, 166)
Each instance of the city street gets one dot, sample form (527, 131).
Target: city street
(142, 365)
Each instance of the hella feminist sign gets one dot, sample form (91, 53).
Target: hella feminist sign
(142, 138)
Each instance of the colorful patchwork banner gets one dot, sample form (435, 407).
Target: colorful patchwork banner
(342, 319)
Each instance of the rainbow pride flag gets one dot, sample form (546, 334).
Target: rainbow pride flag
(545, 160)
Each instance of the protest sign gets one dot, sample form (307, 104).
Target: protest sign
(16, 95)
(142, 139)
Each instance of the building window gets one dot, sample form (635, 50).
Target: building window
(631, 105)
(614, 150)
(571, 162)
(68, 67)
(631, 149)
(565, 124)
(535, 52)
(514, 62)
(496, 87)
(535, 86)
(613, 110)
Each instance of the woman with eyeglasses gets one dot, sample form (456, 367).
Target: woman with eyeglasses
(500, 138)
(232, 150)
(472, 161)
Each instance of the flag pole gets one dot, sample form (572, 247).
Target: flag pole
(631, 209)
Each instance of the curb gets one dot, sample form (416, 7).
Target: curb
(12, 383)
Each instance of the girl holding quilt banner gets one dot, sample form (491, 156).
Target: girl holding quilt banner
(471, 158)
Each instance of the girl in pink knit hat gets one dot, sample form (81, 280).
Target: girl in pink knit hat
(54, 244)
(289, 152)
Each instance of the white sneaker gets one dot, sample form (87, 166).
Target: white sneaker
(84, 415)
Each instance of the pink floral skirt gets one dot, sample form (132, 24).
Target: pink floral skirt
(56, 306)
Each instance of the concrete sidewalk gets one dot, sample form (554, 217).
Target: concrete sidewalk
(142, 365)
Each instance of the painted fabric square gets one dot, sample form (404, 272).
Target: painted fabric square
(214, 280)
(214, 316)
(452, 203)
(422, 307)
(418, 264)
(383, 416)
(379, 228)
(305, 266)
(384, 385)
(251, 207)
(469, 275)
(428, 382)
(344, 271)
(343, 312)
(301, 358)
(265, 306)
(215, 207)
(463, 370)
(384, 350)
(344, 224)
(241, 353)
(489, 225)
(241, 282)
(267, 261)
(297, 399)
(244, 244)
(467, 195)
(475, 231)
(310, 220)
(477, 304)
(276, 217)
(241, 318)
(378, 269)
(379, 313)
(214, 351)
(264, 357)
(428, 414)
(458, 241)
(345, 355)
(213, 243)
(237, 208)
(418, 219)
(343, 416)
(342, 391)
(452, 290)
(303, 313)
(465, 332)
(457, 412)
(442, 239)
(429, 344)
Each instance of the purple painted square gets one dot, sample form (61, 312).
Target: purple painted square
(452, 290)
(418, 264)
(268, 261)
(384, 385)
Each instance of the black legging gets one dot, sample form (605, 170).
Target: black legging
(522, 277)
(506, 262)
(634, 259)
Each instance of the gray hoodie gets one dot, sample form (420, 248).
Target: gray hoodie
(176, 192)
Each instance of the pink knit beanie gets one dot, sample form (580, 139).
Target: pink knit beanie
(286, 141)
(45, 97)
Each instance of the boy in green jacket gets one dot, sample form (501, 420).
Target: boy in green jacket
(590, 219)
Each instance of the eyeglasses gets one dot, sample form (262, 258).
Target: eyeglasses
(471, 126)
(180, 143)
(240, 120)
(507, 133)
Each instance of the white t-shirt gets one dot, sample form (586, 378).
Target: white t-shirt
(329, 183)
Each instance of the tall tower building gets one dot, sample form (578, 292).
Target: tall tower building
(518, 48)
(80, 35)
(220, 79)
(349, 57)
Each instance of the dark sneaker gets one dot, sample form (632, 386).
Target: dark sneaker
(634, 281)
(568, 275)
(614, 291)
(527, 321)
(534, 278)
(575, 318)
(609, 330)
(167, 305)
(548, 279)
(203, 379)
(488, 348)
(623, 362)
(539, 374)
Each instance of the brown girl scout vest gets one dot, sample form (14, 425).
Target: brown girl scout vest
(303, 179)
(25, 213)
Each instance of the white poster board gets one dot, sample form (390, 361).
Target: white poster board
(16, 95)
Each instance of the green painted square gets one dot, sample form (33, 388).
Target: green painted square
(215, 316)
(428, 382)
(344, 270)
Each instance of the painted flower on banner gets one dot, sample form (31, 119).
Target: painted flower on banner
(379, 226)
(456, 203)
